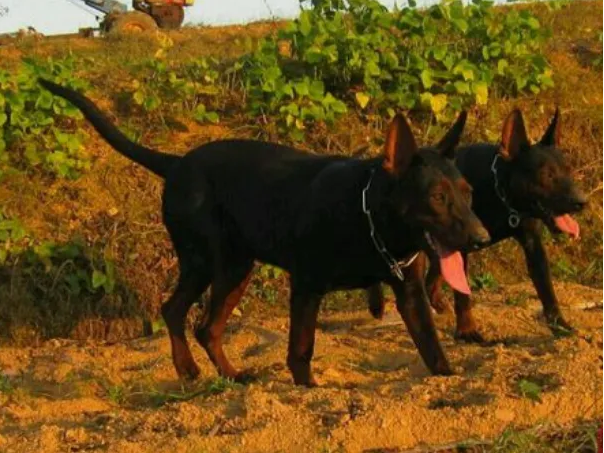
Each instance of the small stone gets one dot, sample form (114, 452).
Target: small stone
(76, 435)
(504, 415)
(331, 373)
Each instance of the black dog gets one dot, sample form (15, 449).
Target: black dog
(331, 222)
(516, 184)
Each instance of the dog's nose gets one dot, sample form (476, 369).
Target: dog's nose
(579, 203)
(479, 238)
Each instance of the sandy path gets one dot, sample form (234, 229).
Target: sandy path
(375, 392)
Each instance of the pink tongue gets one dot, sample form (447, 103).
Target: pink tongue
(452, 270)
(567, 224)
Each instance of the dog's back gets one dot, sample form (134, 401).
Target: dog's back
(262, 190)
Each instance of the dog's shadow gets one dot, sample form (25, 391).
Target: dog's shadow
(268, 338)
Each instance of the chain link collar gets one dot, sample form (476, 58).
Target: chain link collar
(396, 267)
(513, 214)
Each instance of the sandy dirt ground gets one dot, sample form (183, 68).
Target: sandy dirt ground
(375, 393)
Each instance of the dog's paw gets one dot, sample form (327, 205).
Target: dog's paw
(308, 383)
(439, 304)
(187, 370)
(245, 377)
(471, 336)
(559, 327)
(444, 370)
(305, 378)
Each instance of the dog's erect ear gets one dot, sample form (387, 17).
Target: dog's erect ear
(552, 134)
(400, 146)
(513, 138)
(446, 147)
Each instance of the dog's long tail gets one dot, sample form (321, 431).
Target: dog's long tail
(158, 162)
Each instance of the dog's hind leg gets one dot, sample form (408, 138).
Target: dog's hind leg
(228, 286)
(193, 280)
(304, 309)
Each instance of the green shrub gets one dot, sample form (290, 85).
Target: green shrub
(72, 265)
(160, 88)
(359, 54)
(295, 101)
(39, 130)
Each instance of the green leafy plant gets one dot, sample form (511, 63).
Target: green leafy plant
(162, 88)
(39, 130)
(67, 263)
(484, 280)
(70, 266)
(13, 238)
(6, 385)
(562, 268)
(295, 101)
(268, 283)
(356, 53)
(116, 394)
(221, 385)
(530, 390)
(517, 300)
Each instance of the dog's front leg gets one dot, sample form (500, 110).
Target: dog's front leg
(538, 267)
(434, 283)
(413, 305)
(304, 309)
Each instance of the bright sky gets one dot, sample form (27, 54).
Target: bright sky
(66, 16)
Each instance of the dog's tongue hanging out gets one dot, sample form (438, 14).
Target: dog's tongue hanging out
(567, 225)
(452, 269)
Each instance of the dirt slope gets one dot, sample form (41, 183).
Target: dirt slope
(375, 393)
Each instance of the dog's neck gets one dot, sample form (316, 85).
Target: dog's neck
(389, 231)
(501, 171)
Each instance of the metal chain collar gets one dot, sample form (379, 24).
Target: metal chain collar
(513, 214)
(396, 267)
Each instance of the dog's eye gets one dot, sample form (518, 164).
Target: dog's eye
(549, 174)
(438, 197)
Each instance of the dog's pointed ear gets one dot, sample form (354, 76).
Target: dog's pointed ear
(552, 134)
(400, 146)
(513, 138)
(446, 147)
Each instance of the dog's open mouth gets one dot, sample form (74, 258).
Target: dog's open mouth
(564, 223)
(568, 225)
(451, 266)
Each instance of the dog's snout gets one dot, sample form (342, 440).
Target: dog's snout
(579, 203)
(479, 237)
(577, 200)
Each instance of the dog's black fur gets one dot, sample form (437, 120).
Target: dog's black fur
(538, 184)
(229, 203)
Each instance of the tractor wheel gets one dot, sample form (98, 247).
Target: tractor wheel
(132, 22)
(169, 17)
